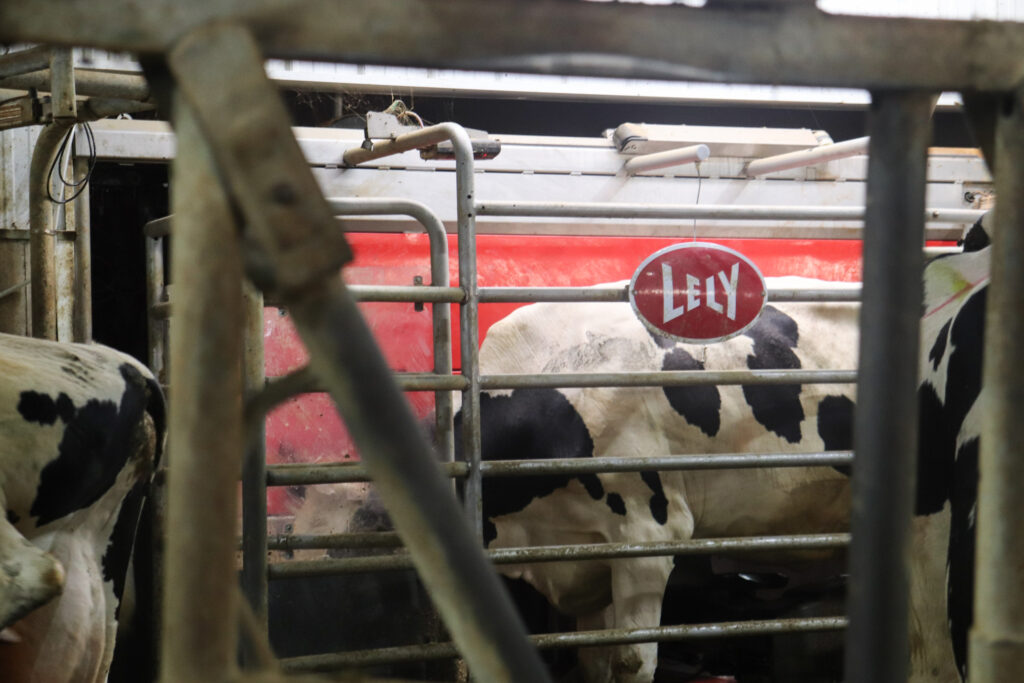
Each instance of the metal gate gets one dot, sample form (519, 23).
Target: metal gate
(470, 382)
(228, 118)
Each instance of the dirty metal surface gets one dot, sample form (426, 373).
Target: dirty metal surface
(786, 44)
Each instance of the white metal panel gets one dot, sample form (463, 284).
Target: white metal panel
(16, 147)
(154, 141)
(1001, 10)
(535, 168)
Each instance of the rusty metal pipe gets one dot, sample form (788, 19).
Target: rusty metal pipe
(87, 83)
(200, 619)
(83, 259)
(43, 266)
(549, 641)
(570, 553)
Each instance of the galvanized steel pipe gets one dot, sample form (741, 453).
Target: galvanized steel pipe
(614, 294)
(675, 378)
(83, 259)
(303, 381)
(200, 631)
(549, 641)
(666, 159)
(571, 553)
(156, 322)
(87, 83)
(885, 431)
(704, 211)
(440, 312)
(42, 231)
(997, 637)
(469, 312)
(337, 473)
(25, 61)
(807, 157)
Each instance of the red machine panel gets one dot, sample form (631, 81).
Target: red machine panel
(307, 429)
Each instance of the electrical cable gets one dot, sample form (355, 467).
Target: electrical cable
(81, 184)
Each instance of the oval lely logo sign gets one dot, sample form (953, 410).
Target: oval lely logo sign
(697, 292)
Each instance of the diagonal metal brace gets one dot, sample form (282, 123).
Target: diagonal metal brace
(220, 75)
(219, 70)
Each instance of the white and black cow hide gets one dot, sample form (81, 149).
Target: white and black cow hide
(625, 422)
(952, 340)
(80, 430)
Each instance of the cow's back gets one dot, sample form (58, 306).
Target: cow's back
(607, 337)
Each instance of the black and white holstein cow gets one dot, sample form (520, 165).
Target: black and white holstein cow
(671, 506)
(80, 431)
(624, 422)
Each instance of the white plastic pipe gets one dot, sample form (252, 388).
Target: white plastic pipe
(807, 157)
(671, 157)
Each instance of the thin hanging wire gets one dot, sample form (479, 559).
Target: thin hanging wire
(66, 149)
(700, 182)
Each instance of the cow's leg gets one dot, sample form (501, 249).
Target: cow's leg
(638, 587)
(29, 577)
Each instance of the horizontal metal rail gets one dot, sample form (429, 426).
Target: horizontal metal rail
(563, 553)
(703, 212)
(346, 472)
(674, 378)
(408, 293)
(284, 387)
(488, 295)
(549, 641)
(844, 293)
(361, 541)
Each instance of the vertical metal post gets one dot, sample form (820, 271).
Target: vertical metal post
(62, 84)
(469, 319)
(885, 430)
(43, 266)
(83, 259)
(200, 624)
(254, 472)
(64, 251)
(59, 269)
(156, 325)
(997, 638)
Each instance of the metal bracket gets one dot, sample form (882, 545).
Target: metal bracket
(384, 126)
